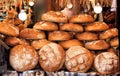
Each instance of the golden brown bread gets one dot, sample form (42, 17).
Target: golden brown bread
(59, 36)
(106, 63)
(52, 57)
(69, 43)
(13, 41)
(29, 33)
(47, 26)
(72, 27)
(112, 50)
(15, 21)
(9, 29)
(78, 59)
(38, 44)
(97, 45)
(97, 26)
(113, 32)
(11, 14)
(87, 36)
(81, 18)
(114, 42)
(53, 16)
(23, 57)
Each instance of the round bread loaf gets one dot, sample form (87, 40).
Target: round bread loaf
(23, 57)
(81, 18)
(8, 29)
(87, 36)
(114, 42)
(29, 33)
(97, 26)
(97, 45)
(69, 43)
(53, 16)
(78, 59)
(38, 44)
(58, 36)
(106, 63)
(52, 57)
(46, 26)
(113, 32)
(72, 27)
(12, 41)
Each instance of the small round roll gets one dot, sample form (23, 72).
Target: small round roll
(106, 63)
(69, 43)
(97, 45)
(113, 32)
(53, 16)
(114, 42)
(87, 36)
(97, 26)
(112, 50)
(29, 33)
(13, 41)
(72, 27)
(9, 29)
(38, 44)
(46, 26)
(81, 18)
(52, 57)
(58, 36)
(78, 59)
(23, 57)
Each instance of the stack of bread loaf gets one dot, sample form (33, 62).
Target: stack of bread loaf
(78, 43)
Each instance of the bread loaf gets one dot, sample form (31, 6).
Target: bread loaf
(23, 57)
